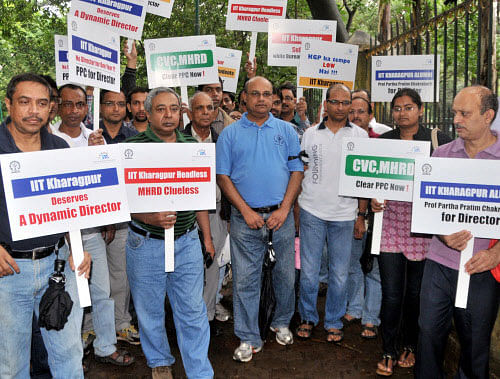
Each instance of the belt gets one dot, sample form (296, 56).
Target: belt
(36, 253)
(268, 209)
(144, 233)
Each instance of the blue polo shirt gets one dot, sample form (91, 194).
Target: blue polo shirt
(7, 146)
(259, 159)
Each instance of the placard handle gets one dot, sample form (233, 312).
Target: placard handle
(463, 276)
(82, 283)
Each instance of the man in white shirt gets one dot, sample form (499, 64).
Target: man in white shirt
(73, 110)
(326, 216)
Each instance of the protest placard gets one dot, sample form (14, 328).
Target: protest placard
(253, 15)
(181, 61)
(393, 72)
(61, 58)
(322, 64)
(451, 195)
(65, 195)
(381, 169)
(228, 63)
(125, 18)
(285, 38)
(160, 7)
(169, 177)
(94, 56)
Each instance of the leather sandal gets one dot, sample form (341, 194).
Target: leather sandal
(386, 365)
(305, 328)
(122, 358)
(332, 333)
(371, 329)
(407, 358)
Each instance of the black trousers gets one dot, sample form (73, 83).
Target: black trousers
(400, 279)
(473, 324)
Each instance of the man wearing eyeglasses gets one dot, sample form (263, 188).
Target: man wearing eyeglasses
(293, 111)
(259, 172)
(327, 217)
(220, 118)
(113, 113)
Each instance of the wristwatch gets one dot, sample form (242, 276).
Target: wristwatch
(363, 214)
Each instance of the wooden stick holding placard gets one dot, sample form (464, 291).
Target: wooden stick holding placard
(300, 93)
(169, 250)
(322, 105)
(82, 283)
(253, 46)
(96, 110)
(185, 99)
(463, 276)
(377, 230)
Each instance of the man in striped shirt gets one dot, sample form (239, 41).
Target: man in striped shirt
(145, 262)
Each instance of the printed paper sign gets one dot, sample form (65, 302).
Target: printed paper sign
(61, 55)
(379, 168)
(169, 176)
(80, 188)
(181, 61)
(391, 73)
(124, 17)
(285, 38)
(228, 62)
(94, 56)
(253, 15)
(322, 64)
(452, 194)
(160, 7)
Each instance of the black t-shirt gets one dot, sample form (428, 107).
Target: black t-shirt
(8, 146)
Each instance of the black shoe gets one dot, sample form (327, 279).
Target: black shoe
(215, 330)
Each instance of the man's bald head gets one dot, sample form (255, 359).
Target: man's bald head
(337, 87)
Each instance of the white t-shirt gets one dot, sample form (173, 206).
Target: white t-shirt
(320, 187)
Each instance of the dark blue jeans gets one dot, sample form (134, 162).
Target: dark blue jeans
(473, 324)
(400, 279)
(39, 358)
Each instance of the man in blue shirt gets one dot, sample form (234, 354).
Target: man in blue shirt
(259, 171)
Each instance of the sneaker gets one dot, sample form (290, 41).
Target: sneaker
(87, 340)
(283, 335)
(130, 335)
(244, 352)
(221, 313)
(162, 372)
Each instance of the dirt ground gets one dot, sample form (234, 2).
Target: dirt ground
(355, 357)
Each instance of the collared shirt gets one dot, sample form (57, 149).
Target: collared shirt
(73, 142)
(259, 159)
(197, 137)
(320, 187)
(124, 133)
(438, 251)
(8, 146)
(185, 219)
(221, 121)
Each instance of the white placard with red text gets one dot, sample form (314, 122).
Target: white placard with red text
(323, 64)
(169, 176)
(124, 17)
(253, 15)
(285, 38)
(181, 61)
(160, 7)
(94, 56)
(79, 189)
(228, 63)
(61, 55)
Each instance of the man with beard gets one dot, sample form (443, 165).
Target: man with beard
(135, 105)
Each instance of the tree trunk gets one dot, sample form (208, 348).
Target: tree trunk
(384, 20)
(328, 10)
(488, 34)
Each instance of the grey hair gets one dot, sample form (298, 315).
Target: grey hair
(148, 103)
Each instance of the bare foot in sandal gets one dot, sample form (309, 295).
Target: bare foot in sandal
(334, 335)
(119, 358)
(304, 330)
(407, 358)
(369, 331)
(385, 366)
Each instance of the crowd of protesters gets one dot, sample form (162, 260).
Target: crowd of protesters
(276, 172)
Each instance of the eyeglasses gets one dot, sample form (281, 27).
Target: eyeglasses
(357, 111)
(338, 102)
(407, 108)
(121, 104)
(265, 94)
(69, 105)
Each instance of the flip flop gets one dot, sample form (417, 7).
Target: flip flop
(403, 359)
(386, 366)
(373, 329)
(334, 333)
